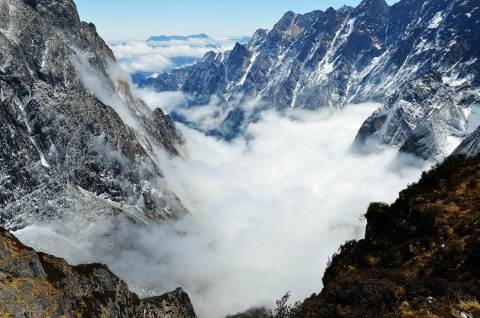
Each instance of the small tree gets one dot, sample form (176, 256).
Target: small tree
(284, 310)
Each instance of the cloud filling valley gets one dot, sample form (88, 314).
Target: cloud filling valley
(267, 212)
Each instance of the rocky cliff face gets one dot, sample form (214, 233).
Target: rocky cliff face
(419, 258)
(38, 285)
(75, 140)
(420, 58)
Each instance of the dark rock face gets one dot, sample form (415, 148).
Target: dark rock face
(373, 52)
(71, 131)
(419, 258)
(38, 285)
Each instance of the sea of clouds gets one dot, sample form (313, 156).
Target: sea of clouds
(267, 212)
(160, 56)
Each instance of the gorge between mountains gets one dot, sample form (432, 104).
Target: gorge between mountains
(222, 184)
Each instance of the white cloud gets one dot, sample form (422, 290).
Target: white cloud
(101, 85)
(205, 117)
(266, 214)
(167, 101)
(136, 55)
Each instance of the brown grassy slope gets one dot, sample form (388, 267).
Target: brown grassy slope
(420, 256)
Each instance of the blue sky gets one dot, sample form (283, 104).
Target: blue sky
(137, 19)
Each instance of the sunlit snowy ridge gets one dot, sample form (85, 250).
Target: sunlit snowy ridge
(420, 60)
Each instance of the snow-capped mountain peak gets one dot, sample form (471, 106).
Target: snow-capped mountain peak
(374, 52)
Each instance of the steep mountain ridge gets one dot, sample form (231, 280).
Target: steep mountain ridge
(38, 285)
(75, 140)
(373, 52)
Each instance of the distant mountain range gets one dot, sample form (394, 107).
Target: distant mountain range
(145, 59)
(421, 59)
(164, 38)
(201, 36)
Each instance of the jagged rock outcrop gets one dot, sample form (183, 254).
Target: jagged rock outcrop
(374, 52)
(426, 117)
(38, 285)
(74, 139)
(419, 257)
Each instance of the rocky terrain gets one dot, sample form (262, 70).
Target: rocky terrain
(419, 258)
(75, 140)
(38, 285)
(419, 58)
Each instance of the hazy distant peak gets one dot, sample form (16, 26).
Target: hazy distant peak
(165, 38)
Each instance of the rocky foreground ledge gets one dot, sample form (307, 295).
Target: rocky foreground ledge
(34, 284)
(420, 256)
